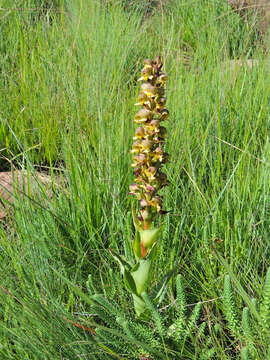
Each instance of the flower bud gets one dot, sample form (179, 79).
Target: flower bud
(146, 214)
(162, 78)
(161, 102)
(147, 73)
(153, 126)
(148, 63)
(164, 114)
(148, 89)
(146, 145)
(162, 131)
(144, 203)
(139, 133)
(134, 187)
(139, 160)
(150, 188)
(143, 115)
(136, 147)
(156, 202)
(142, 97)
(150, 172)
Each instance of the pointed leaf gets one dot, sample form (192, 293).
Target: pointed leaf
(162, 286)
(124, 264)
(129, 282)
(137, 246)
(135, 220)
(139, 305)
(140, 274)
(149, 236)
(153, 253)
(119, 257)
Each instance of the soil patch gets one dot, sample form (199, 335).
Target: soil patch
(19, 184)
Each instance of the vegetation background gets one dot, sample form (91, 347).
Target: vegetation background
(68, 86)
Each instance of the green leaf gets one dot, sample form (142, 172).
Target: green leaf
(140, 274)
(135, 220)
(148, 237)
(139, 305)
(129, 282)
(123, 262)
(153, 253)
(162, 286)
(137, 246)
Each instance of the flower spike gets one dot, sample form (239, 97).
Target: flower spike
(147, 148)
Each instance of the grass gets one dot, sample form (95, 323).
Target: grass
(68, 86)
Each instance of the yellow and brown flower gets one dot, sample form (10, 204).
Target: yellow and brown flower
(149, 138)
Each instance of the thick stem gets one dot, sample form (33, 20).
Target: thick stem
(143, 251)
(146, 224)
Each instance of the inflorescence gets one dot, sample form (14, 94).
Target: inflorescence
(149, 155)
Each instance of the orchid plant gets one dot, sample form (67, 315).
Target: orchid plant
(148, 159)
